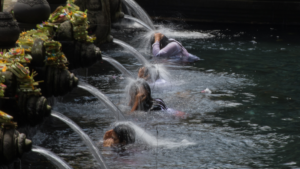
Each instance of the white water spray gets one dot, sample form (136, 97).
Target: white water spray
(138, 11)
(136, 54)
(153, 141)
(56, 160)
(92, 147)
(117, 65)
(138, 21)
(97, 93)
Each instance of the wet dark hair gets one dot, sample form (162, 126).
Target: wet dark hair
(125, 134)
(163, 42)
(149, 70)
(133, 91)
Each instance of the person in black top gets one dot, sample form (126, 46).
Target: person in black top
(140, 98)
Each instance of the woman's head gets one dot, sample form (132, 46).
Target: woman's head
(121, 134)
(125, 134)
(148, 73)
(164, 40)
(140, 95)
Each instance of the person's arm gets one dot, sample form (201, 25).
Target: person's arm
(140, 97)
(171, 49)
(108, 142)
(155, 46)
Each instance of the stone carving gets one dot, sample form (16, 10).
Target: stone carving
(33, 2)
(99, 18)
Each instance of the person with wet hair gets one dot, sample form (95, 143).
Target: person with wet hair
(141, 99)
(148, 73)
(120, 135)
(163, 47)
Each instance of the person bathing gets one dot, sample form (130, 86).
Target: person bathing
(164, 47)
(141, 99)
(120, 135)
(149, 73)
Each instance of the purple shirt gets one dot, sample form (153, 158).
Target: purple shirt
(173, 49)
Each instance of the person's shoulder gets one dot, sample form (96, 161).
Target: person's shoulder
(174, 43)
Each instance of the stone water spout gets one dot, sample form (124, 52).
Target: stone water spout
(12, 145)
(27, 108)
(57, 82)
(79, 54)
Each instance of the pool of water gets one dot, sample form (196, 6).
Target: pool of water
(251, 119)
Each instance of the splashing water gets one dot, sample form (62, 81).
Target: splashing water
(153, 141)
(172, 33)
(138, 21)
(163, 73)
(143, 41)
(97, 93)
(94, 150)
(57, 161)
(117, 65)
(139, 12)
(136, 54)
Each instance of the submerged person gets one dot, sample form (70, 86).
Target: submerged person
(120, 135)
(141, 99)
(164, 47)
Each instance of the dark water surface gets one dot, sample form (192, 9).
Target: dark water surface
(251, 119)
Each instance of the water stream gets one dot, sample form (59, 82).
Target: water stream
(92, 147)
(138, 11)
(250, 120)
(97, 93)
(138, 21)
(153, 141)
(57, 161)
(136, 54)
(117, 65)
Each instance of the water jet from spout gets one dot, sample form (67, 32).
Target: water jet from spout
(92, 147)
(97, 93)
(117, 65)
(136, 54)
(57, 161)
(139, 12)
(138, 21)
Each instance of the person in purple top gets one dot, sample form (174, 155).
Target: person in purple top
(164, 47)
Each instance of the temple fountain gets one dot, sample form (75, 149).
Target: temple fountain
(51, 45)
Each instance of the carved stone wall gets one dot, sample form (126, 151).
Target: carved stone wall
(99, 18)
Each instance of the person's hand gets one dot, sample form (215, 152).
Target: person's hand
(141, 72)
(108, 134)
(108, 142)
(158, 37)
(141, 96)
